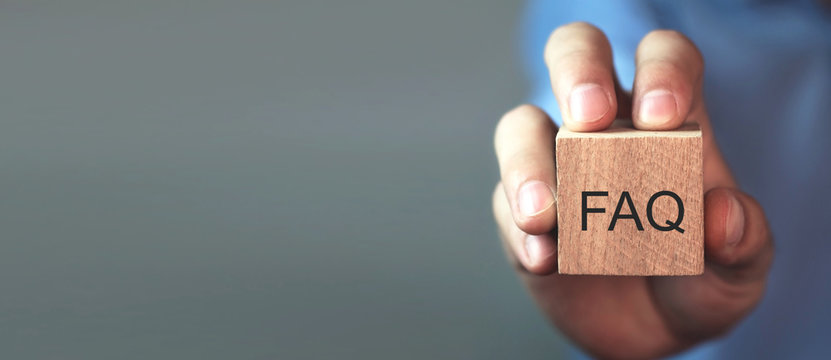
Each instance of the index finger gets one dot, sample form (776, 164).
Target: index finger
(667, 88)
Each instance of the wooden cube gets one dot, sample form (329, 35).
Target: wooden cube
(630, 202)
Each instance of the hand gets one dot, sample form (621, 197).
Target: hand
(627, 317)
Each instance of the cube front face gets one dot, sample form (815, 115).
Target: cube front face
(630, 202)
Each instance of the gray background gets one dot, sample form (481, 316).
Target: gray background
(255, 179)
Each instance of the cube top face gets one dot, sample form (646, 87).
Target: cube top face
(630, 202)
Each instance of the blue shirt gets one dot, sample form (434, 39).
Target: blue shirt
(768, 90)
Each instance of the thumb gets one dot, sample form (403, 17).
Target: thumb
(737, 239)
(739, 253)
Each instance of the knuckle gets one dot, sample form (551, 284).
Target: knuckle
(570, 28)
(661, 70)
(580, 35)
(510, 116)
(691, 54)
(525, 111)
(521, 114)
(523, 164)
(668, 35)
(573, 59)
(663, 66)
(515, 127)
(664, 34)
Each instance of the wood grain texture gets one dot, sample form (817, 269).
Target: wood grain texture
(641, 163)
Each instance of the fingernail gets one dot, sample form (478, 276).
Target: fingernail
(735, 222)
(534, 197)
(537, 248)
(657, 107)
(588, 103)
